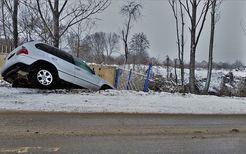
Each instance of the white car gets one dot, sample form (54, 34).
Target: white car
(44, 66)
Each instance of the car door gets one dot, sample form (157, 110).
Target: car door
(63, 61)
(85, 76)
(65, 68)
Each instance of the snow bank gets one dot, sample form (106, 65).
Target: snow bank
(116, 101)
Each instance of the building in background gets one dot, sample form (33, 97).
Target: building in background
(5, 46)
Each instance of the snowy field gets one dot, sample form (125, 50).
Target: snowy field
(115, 102)
(201, 75)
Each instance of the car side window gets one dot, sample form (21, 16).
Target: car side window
(56, 52)
(83, 65)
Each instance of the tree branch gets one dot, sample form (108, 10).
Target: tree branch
(63, 6)
(203, 22)
(42, 18)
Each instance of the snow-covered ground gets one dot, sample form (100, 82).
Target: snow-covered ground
(216, 78)
(201, 75)
(115, 101)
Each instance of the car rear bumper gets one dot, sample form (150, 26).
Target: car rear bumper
(11, 74)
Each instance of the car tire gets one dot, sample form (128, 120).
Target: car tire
(105, 87)
(44, 78)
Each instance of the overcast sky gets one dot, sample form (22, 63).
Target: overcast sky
(158, 24)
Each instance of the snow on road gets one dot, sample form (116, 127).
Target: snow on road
(116, 101)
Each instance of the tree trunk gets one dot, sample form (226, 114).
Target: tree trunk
(181, 59)
(107, 55)
(15, 23)
(56, 24)
(126, 37)
(179, 34)
(78, 45)
(168, 72)
(192, 79)
(211, 47)
(3, 20)
(182, 73)
(126, 52)
(175, 71)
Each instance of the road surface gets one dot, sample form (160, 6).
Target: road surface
(121, 133)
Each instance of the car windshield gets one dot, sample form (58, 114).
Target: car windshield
(83, 65)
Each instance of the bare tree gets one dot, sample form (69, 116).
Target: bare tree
(3, 14)
(175, 70)
(215, 3)
(19, 21)
(167, 63)
(132, 11)
(12, 9)
(76, 35)
(15, 22)
(30, 24)
(97, 47)
(111, 45)
(81, 49)
(197, 19)
(178, 13)
(139, 45)
(96, 42)
(65, 14)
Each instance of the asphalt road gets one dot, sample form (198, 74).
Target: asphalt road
(121, 133)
